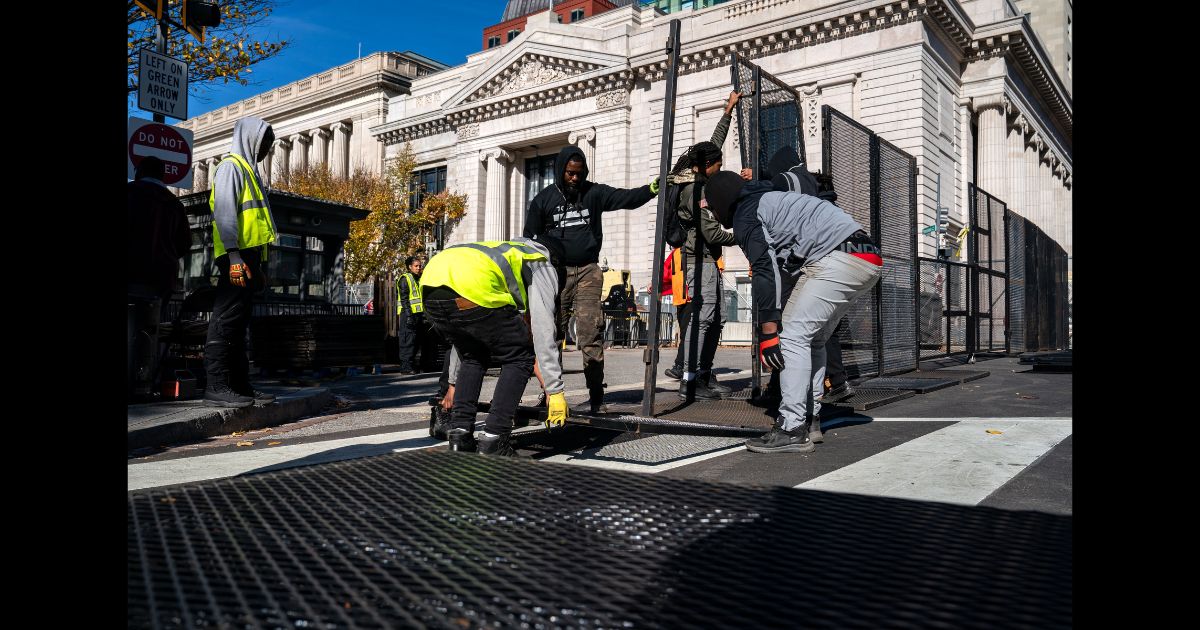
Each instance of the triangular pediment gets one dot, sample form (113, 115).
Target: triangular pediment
(530, 65)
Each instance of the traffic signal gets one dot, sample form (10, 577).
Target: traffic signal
(153, 7)
(197, 14)
(943, 219)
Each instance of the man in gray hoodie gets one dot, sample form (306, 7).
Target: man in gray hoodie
(811, 260)
(242, 228)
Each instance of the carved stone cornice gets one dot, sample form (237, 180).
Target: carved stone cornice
(949, 18)
(1015, 45)
(396, 132)
(530, 71)
(588, 134)
(591, 84)
(614, 98)
(497, 153)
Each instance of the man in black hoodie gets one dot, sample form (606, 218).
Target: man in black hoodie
(570, 211)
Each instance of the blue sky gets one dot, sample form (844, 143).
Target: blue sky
(325, 34)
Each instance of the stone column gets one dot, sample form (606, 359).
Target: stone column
(516, 211)
(495, 216)
(1033, 158)
(1069, 222)
(299, 151)
(280, 159)
(584, 140)
(199, 175)
(340, 155)
(320, 142)
(968, 160)
(1046, 191)
(1016, 163)
(993, 145)
(1060, 205)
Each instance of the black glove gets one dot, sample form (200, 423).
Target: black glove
(769, 352)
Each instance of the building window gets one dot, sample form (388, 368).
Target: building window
(513, 34)
(577, 15)
(493, 41)
(1068, 28)
(539, 173)
(427, 182)
(559, 18)
(1068, 66)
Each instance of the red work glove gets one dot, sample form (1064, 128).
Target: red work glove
(769, 352)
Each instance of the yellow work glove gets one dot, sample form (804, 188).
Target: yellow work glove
(556, 409)
(654, 185)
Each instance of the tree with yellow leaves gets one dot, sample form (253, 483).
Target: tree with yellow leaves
(228, 50)
(379, 243)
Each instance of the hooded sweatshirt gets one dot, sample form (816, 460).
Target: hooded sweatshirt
(230, 179)
(573, 217)
(780, 231)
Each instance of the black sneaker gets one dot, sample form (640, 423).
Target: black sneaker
(841, 392)
(223, 396)
(461, 440)
(259, 397)
(717, 387)
(674, 372)
(439, 422)
(498, 445)
(781, 441)
(695, 389)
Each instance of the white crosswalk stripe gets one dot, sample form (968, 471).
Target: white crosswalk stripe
(961, 463)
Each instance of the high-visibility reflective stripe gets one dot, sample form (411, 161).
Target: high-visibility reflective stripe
(516, 289)
(415, 305)
(254, 203)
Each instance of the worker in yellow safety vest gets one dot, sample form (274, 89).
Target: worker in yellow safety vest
(495, 301)
(409, 308)
(242, 228)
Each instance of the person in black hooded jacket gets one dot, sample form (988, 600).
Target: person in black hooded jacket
(570, 210)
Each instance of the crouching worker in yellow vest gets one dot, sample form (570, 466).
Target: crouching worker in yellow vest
(475, 295)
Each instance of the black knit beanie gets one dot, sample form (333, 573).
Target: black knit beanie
(721, 192)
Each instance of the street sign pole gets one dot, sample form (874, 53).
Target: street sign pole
(160, 42)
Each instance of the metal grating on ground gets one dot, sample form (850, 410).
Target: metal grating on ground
(867, 398)
(457, 540)
(918, 385)
(959, 376)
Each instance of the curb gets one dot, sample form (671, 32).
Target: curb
(218, 421)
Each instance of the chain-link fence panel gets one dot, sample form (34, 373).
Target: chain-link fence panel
(897, 234)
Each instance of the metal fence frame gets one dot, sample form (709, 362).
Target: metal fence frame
(877, 185)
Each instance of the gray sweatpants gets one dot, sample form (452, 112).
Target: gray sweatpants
(712, 319)
(823, 293)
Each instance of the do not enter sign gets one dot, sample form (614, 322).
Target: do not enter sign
(170, 144)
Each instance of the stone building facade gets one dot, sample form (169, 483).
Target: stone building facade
(321, 119)
(965, 86)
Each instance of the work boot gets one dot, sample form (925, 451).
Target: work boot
(697, 389)
(258, 396)
(710, 379)
(439, 422)
(675, 372)
(841, 392)
(779, 440)
(221, 395)
(498, 445)
(595, 402)
(814, 431)
(461, 440)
